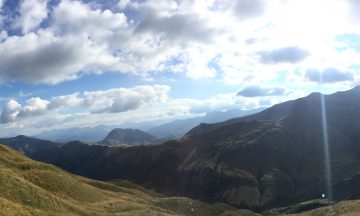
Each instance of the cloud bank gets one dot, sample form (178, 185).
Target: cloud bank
(110, 101)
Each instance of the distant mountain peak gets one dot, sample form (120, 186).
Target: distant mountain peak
(128, 136)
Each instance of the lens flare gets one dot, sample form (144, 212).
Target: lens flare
(327, 162)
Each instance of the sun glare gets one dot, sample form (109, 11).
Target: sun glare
(311, 23)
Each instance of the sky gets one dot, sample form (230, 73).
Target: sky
(70, 63)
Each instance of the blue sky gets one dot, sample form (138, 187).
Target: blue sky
(81, 63)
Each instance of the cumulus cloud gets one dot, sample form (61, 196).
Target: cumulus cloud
(80, 39)
(242, 9)
(73, 45)
(33, 107)
(66, 101)
(123, 100)
(258, 91)
(109, 101)
(249, 8)
(13, 111)
(291, 54)
(10, 111)
(328, 75)
(75, 17)
(122, 4)
(184, 27)
(32, 13)
(45, 58)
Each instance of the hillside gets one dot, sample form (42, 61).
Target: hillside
(34, 188)
(29, 145)
(120, 136)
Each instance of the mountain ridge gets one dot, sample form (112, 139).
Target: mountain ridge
(163, 130)
(255, 162)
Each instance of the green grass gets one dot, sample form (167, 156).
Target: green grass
(28, 187)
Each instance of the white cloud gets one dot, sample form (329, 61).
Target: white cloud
(177, 36)
(328, 75)
(245, 9)
(290, 54)
(33, 107)
(122, 100)
(177, 27)
(43, 57)
(122, 4)
(3, 35)
(80, 39)
(66, 101)
(110, 101)
(259, 91)
(32, 13)
(77, 18)
(10, 111)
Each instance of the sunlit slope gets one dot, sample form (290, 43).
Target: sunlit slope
(33, 188)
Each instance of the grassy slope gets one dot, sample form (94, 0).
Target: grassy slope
(344, 208)
(28, 187)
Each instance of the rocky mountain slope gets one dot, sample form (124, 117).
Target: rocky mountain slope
(120, 136)
(34, 188)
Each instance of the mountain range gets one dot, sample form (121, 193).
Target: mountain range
(159, 129)
(269, 159)
(180, 127)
